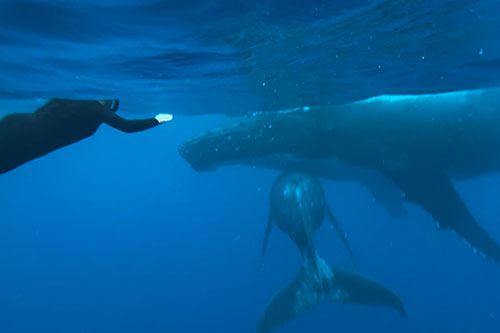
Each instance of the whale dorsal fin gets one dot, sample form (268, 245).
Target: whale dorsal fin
(335, 223)
(433, 191)
(306, 292)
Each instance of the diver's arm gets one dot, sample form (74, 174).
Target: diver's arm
(131, 126)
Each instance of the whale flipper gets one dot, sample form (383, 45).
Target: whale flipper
(267, 233)
(385, 194)
(434, 192)
(306, 291)
(342, 235)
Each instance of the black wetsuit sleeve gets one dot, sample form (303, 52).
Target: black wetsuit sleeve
(128, 126)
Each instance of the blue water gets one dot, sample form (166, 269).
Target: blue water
(118, 234)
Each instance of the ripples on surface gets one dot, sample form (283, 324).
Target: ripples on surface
(235, 56)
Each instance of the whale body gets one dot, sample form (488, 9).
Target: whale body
(416, 142)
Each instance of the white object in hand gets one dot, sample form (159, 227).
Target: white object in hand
(164, 117)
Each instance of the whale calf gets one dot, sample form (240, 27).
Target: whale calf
(384, 192)
(417, 142)
(297, 207)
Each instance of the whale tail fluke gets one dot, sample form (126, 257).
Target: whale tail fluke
(362, 290)
(306, 291)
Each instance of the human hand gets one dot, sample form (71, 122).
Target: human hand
(164, 117)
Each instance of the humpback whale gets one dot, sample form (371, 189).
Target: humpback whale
(297, 207)
(418, 142)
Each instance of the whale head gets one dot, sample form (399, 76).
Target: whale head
(295, 131)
